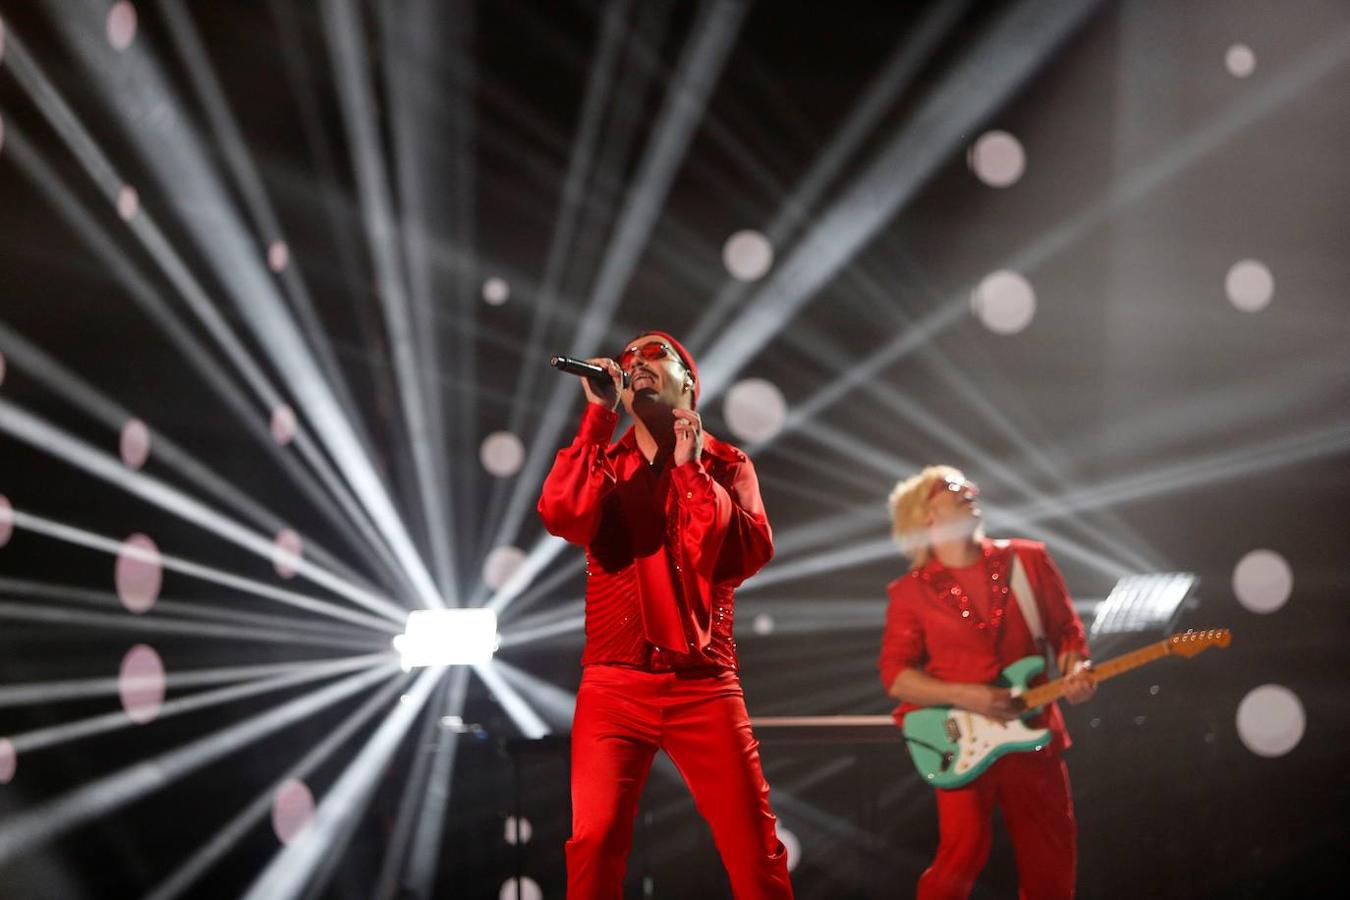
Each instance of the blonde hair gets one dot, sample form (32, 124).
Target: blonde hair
(908, 504)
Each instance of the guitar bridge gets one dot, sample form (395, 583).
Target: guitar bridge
(953, 730)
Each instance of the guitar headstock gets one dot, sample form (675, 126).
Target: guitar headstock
(1192, 642)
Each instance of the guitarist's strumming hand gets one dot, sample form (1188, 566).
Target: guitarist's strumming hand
(994, 702)
(1079, 685)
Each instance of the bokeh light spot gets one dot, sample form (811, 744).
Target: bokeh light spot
(755, 410)
(138, 573)
(121, 25)
(1240, 60)
(496, 291)
(997, 159)
(500, 565)
(528, 890)
(283, 424)
(278, 255)
(502, 454)
(292, 810)
(128, 203)
(763, 624)
(518, 830)
(1270, 720)
(140, 683)
(134, 444)
(6, 520)
(1004, 301)
(9, 761)
(1250, 285)
(748, 255)
(1263, 581)
(287, 551)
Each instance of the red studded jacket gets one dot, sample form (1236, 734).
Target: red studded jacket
(926, 628)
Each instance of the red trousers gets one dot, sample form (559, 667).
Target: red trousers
(623, 717)
(1032, 790)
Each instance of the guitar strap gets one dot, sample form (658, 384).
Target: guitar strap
(1026, 601)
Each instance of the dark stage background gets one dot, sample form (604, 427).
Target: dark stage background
(287, 275)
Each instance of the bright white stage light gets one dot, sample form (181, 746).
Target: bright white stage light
(448, 637)
(1142, 602)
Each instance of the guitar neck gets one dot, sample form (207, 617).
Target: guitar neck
(1052, 691)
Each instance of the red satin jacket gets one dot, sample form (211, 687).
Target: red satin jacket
(925, 630)
(664, 550)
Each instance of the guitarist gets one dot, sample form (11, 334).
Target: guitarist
(952, 625)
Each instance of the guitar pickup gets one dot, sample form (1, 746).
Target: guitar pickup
(953, 730)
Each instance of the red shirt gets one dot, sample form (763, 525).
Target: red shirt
(664, 549)
(925, 630)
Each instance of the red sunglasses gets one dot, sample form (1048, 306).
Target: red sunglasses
(650, 351)
(956, 486)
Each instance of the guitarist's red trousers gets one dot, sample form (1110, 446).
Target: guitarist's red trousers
(623, 717)
(1032, 790)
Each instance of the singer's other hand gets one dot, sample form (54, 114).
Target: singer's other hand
(602, 394)
(688, 436)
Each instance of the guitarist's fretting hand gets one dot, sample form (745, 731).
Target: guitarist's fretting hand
(994, 702)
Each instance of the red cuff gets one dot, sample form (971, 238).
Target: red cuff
(597, 425)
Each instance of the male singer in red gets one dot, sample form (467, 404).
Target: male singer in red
(672, 522)
(953, 624)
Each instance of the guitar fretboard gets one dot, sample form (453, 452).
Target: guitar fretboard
(1048, 693)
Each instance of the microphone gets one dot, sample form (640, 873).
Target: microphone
(584, 369)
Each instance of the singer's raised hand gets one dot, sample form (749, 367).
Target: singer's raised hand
(601, 394)
(688, 436)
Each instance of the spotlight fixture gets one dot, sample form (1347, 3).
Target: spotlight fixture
(447, 637)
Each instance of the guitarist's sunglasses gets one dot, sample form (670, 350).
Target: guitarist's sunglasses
(957, 486)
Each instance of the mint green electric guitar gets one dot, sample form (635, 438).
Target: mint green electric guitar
(952, 746)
